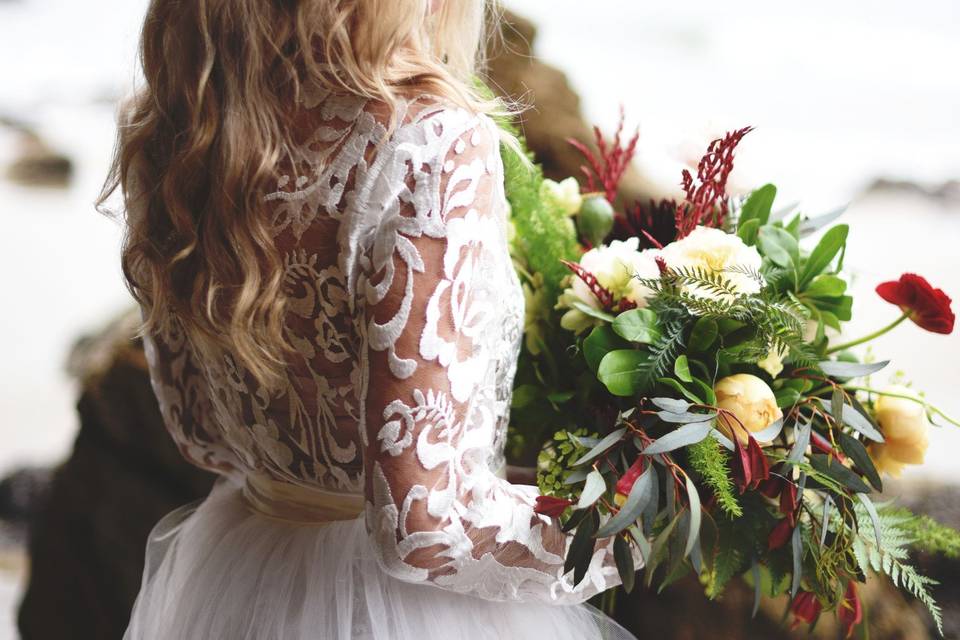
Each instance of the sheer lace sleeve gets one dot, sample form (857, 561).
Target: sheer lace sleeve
(436, 267)
(184, 400)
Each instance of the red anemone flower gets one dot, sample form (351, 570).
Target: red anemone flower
(806, 607)
(780, 534)
(551, 506)
(929, 308)
(851, 609)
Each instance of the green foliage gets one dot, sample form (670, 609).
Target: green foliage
(713, 464)
(928, 535)
(555, 464)
(890, 558)
(544, 233)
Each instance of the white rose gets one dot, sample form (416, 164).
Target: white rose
(616, 267)
(715, 251)
(565, 194)
(749, 399)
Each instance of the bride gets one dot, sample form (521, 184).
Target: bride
(317, 238)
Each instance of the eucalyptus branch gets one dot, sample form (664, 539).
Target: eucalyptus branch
(892, 394)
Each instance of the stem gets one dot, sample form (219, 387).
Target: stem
(868, 338)
(926, 405)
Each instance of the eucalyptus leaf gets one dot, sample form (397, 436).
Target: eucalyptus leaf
(858, 453)
(642, 543)
(624, 560)
(694, 532)
(769, 433)
(726, 442)
(874, 518)
(856, 421)
(594, 487)
(672, 405)
(833, 469)
(682, 437)
(640, 494)
(825, 519)
(851, 369)
(796, 546)
(601, 447)
(577, 475)
(814, 224)
(801, 436)
(685, 418)
(653, 505)
(580, 552)
(755, 572)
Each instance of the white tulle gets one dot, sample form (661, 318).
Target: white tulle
(216, 570)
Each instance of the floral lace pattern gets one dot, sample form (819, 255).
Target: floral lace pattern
(406, 316)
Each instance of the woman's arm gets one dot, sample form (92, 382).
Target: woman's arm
(434, 280)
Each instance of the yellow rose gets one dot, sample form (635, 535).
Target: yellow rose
(749, 399)
(906, 432)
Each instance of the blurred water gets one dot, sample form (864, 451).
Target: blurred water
(840, 93)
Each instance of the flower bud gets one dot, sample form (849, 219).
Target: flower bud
(749, 399)
(595, 219)
(564, 194)
(905, 431)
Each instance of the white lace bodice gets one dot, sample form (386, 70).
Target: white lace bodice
(406, 315)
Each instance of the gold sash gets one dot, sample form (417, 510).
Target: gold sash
(302, 505)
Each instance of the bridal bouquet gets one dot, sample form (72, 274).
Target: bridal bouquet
(683, 388)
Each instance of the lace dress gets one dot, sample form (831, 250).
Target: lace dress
(365, 499)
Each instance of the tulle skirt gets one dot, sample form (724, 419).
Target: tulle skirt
(217, 570)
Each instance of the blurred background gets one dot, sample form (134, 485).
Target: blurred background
(852, 103)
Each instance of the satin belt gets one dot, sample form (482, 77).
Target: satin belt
(304, 505)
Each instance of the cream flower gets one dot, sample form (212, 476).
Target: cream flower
(749, 399)
(565, 194)
(772, 363)
(715, 251)
(906, 432)
(616, 267)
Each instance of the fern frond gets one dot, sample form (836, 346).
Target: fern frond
(712, 463)
(891, 557)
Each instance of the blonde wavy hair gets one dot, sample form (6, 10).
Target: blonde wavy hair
(201, 139)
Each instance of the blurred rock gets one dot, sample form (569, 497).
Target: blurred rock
(946, 192)
(21, 493)
(554, 115)
(36, 164)
(87, 541)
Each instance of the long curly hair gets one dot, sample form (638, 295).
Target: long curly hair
(201, 138)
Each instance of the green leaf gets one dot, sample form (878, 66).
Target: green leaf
(704, 334)
(826, 286)
(778, 245)
(524, 395)
(679, 388)
(758, 205)
(638, 325)
(657, 548)
(624, 560)
(747, 231)
(624, 371)
(826, 250)
(830, 467)
(786, 397)
(856, 421)
(681, 369)
(595, 487)
(836, 402)
(858, 453)
(584, 308)
(601, 341)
